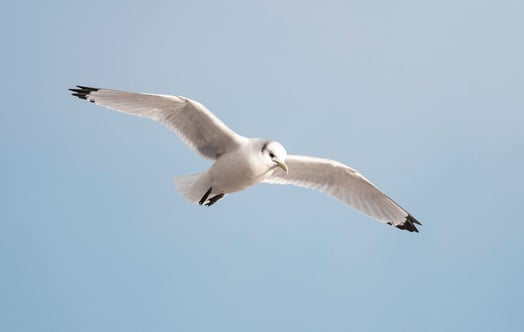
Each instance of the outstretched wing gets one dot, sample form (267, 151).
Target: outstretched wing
(345, 184)
(190, 120)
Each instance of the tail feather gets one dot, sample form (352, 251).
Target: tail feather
(193, 186)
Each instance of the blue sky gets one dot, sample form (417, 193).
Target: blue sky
(424, 98)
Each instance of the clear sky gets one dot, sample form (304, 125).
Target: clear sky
(425, 98)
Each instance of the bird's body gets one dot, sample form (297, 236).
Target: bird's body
(232, 171)
(247, 171)
(242, 162)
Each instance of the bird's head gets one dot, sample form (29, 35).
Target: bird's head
(274, 155)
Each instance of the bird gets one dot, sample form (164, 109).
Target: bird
(241, 162)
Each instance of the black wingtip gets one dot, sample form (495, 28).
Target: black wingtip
(83, 92)
(409, 224)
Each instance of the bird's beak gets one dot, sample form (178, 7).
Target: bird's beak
(282, 165)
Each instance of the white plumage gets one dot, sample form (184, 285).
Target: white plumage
(241, 162)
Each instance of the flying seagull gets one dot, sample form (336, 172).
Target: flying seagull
(242, 162)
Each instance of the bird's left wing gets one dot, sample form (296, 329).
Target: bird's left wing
(191, 121)
(345, 184)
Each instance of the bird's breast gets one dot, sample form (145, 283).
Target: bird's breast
(236, 171)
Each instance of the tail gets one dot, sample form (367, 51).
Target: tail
(193, 186)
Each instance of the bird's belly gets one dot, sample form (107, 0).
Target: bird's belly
(231, 177)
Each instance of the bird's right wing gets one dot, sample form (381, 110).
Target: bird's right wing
(345, 184)
(190, 120)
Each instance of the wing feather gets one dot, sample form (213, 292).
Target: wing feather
(345, 184)
(196, 126)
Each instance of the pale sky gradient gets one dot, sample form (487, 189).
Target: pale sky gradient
(426, 99)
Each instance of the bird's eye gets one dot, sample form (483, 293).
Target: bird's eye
(272, 155)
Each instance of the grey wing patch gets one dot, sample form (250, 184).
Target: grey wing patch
(210, 150)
